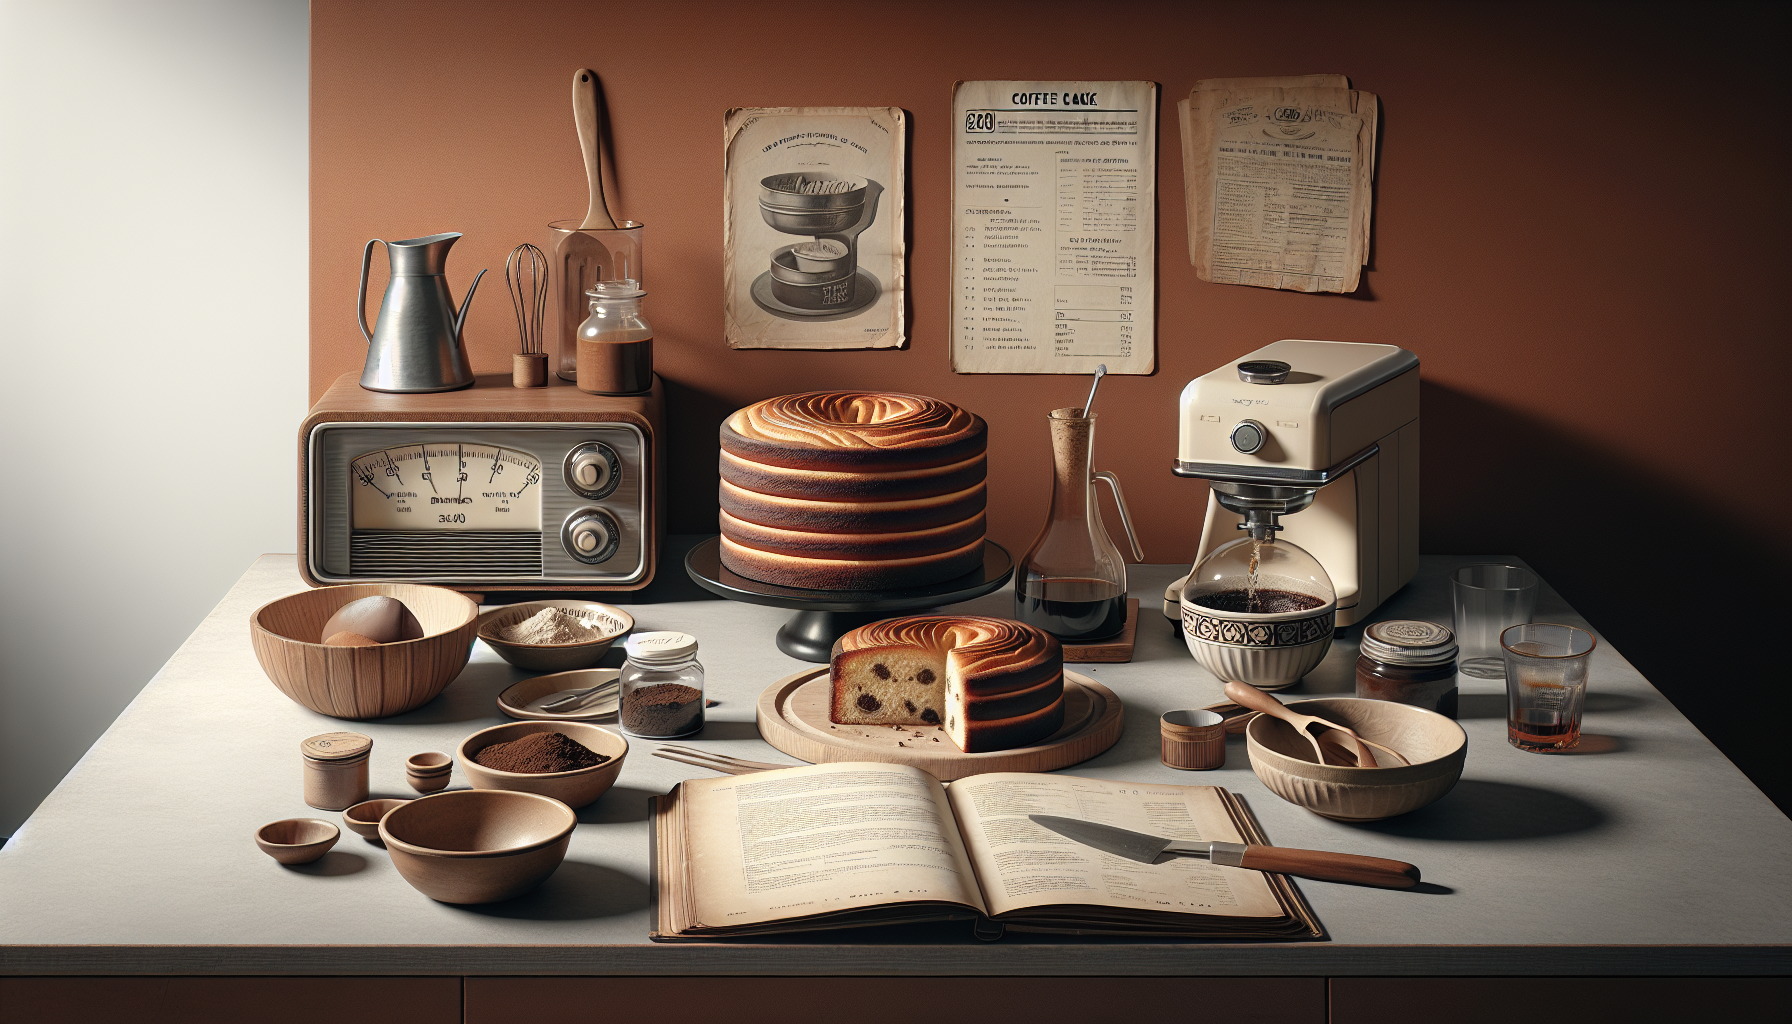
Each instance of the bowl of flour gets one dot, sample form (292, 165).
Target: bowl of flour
(554, 636)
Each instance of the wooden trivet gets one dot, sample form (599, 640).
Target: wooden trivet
(793, 716)
(1108, 651)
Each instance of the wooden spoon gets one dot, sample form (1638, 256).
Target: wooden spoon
(1255, 699)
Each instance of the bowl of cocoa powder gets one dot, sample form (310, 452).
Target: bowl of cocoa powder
(573, 762)
(554, 636)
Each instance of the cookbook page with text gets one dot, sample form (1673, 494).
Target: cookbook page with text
(1021, 864)
(812, 840)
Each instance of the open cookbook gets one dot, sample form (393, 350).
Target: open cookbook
(860, 844)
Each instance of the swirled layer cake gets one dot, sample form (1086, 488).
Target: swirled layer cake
(994, 684)
(852, 490)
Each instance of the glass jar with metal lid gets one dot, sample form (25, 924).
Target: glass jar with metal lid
(661, 686)
(1408, 662)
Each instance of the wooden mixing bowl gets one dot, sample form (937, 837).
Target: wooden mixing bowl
(363, 682)
(477, 845)
(575, 788)
(1435, 745)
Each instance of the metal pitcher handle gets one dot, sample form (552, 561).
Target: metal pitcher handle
(1113, 482)
(361, 301)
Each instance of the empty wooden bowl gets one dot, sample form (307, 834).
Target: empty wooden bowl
(363, 819)
(574, 788)
(297, 840)
(612, 621)
(1436, 746)
(363, 682)
(477, 845)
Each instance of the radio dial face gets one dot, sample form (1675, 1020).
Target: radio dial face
(446, 486)
(593, 469)
(590, 535)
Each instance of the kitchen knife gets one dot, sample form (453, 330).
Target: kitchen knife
(1326, 867)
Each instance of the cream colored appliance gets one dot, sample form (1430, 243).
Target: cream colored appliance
(1328, 429)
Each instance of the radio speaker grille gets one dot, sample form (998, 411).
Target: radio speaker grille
(470, 554)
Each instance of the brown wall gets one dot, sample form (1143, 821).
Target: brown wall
(1574, 229)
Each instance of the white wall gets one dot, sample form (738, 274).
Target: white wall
(153, 335)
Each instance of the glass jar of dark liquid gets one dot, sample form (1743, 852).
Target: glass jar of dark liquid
(1072, 581)
(1408, 662)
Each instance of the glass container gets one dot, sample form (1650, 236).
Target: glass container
(661, 686)
(1268, 577)
(579, 258)
(615, 354)
(1408, 662)
(1546, 684)
(1072, 582)
(1487, 598)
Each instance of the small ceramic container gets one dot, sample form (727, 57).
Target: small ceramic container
(477, 845)
(1193, 740)
(297, 840)
(429, 772)
(335, 773)
(612, 621)
(575, 788)
(363, 819)
(1436, 746)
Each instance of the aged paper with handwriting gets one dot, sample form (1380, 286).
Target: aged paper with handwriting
(1279, 175)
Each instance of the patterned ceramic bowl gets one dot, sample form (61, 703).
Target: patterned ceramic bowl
(1268, 637)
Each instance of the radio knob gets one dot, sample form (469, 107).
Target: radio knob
(593, 469)
(590, 535)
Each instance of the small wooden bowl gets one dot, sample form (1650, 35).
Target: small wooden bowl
(614, 622)
(515, 700)
(364, 682)
(430, 762)
(363, 819)
(477, 845)
(1436, 746)
(297, 840)
(575, 788)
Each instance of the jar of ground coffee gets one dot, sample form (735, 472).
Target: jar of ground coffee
(336, 769)
(661, 686)
(1408, 662)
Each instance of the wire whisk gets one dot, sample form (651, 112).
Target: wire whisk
(526, 273)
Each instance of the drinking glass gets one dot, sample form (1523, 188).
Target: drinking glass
(1546, 684)
(1487, 599)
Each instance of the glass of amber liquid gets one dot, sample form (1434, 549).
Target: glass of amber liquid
(1546, 684)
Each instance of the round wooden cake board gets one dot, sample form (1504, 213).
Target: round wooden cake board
(793, 716)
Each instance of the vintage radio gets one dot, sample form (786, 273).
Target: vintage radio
(490, 488)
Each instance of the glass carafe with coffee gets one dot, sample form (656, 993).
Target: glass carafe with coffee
(1072, 581)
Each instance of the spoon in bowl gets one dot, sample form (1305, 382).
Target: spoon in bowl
(1250, 697)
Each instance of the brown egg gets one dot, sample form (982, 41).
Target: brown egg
(347, 639)
(380, 619)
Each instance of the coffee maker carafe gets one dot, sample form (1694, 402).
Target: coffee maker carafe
(1326, 429)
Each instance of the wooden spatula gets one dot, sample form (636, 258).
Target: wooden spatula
(583, 260)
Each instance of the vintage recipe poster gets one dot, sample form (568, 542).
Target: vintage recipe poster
(1279, 178)
(812, 253)
(1054, 226)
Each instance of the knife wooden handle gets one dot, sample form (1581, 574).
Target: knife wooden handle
(1332, 867)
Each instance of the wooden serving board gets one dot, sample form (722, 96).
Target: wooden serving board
(1112, 651)
(793, 716)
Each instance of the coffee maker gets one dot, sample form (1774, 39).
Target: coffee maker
(1326, 429)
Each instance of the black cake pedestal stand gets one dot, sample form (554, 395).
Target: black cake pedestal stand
(823, 615)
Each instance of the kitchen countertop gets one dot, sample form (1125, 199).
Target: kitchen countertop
(1648, 853)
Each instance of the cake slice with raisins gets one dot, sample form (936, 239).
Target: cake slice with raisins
(991, 684)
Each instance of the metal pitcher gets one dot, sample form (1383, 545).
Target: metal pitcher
(416, 344)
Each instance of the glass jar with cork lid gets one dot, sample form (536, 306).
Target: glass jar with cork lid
(336, 769)
(1408, 662)
(661, 686)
